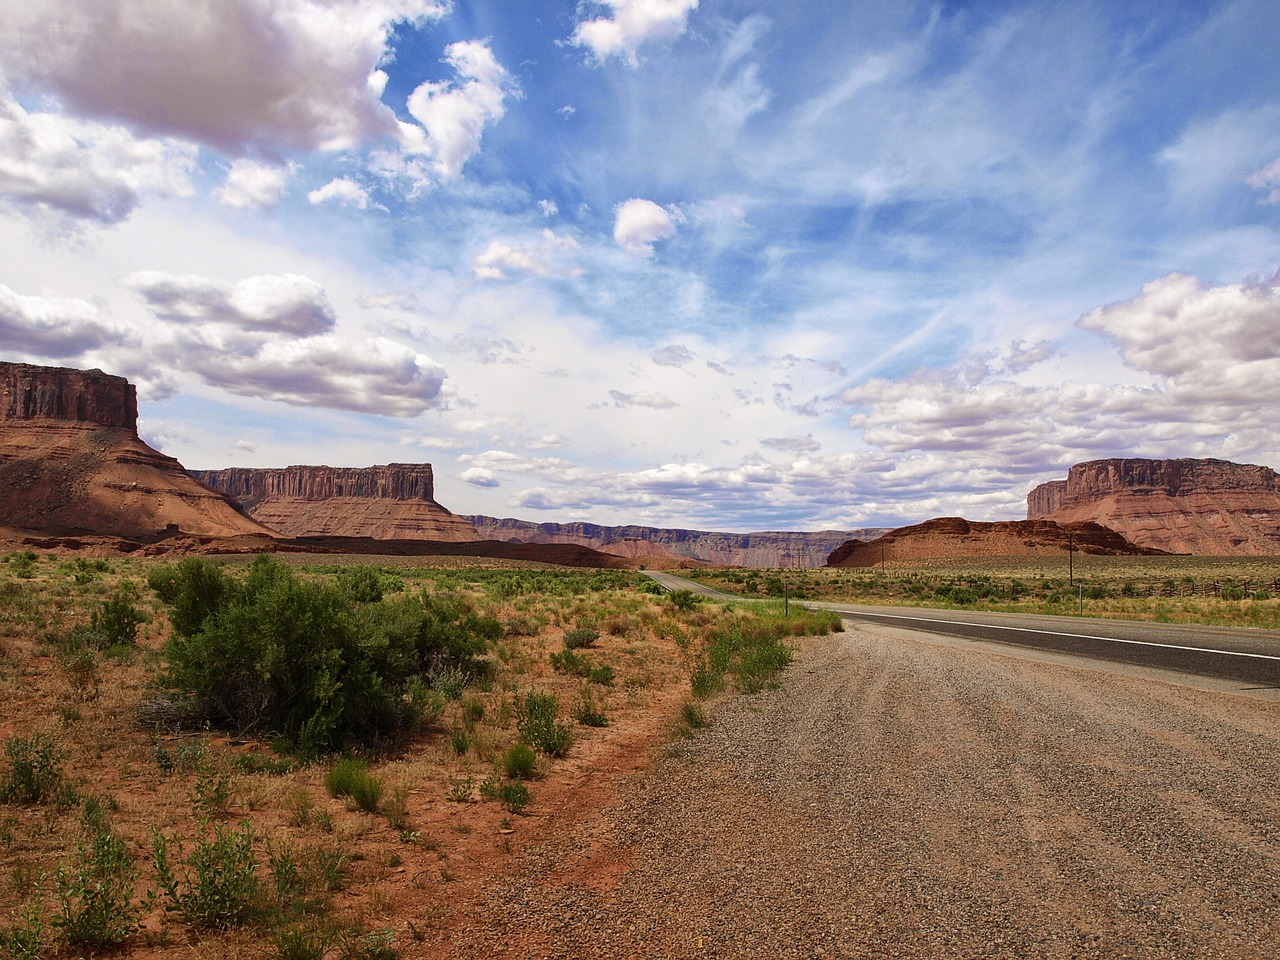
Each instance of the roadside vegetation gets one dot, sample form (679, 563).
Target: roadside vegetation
(274, 757)
(1222, 591)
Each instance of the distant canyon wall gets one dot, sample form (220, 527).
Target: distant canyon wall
(761, 549)
(395, 501)
(1206, 507)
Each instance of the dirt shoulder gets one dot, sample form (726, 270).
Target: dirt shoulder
(906, 797)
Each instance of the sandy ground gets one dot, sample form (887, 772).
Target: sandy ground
(908, 796)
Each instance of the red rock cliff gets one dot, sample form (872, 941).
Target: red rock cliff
(71, 462)
(29, 392)
(391, 502)
(1210, 507)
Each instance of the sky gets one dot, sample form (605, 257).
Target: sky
(723, 264)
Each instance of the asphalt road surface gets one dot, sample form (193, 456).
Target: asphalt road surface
(1249, 657)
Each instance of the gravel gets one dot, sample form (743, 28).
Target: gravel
(906, 796)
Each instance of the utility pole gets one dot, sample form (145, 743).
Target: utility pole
(1071, 569)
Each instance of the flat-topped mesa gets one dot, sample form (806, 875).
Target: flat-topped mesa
(395, 501)
(30, 392)
(1176, 478)
(394, 481)
(1206, 507)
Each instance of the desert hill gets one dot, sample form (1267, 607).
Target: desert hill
(957, 537)
(71, 462)
(391, 502)
(1204, 507)
(763, 549)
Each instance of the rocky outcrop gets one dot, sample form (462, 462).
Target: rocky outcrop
(71, 462)
(763, 549)
(30, 392)
(395, 501)
(1205, 507)
(947, 537)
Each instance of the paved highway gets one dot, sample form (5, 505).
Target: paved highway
(1246, 656)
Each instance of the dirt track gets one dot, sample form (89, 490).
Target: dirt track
(908, 797)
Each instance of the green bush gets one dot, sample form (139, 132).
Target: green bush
(35, 773)
(213, 886)
(351, 778)
(537, 720)
(518, 761)
(588, 709)
(513, 795)
(580, 637)
(302, 660)
(95, 893)
(684, 600)
(118, 619)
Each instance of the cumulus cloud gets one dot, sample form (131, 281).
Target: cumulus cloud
(674, 355)
(239, 75)
(254, 185)
(654, 401)
(453, 115)
(344, 191)
(1023, 356)
(1213, 343)
(639, 224)
(56, 327)
(549, 208)
(271, 337)
(479, 477)
(93, 171)
(631, 24)
(287, 303)
(543, 258)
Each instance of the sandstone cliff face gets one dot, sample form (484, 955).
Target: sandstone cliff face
(1206, 507)
(763, 549)
(391, 502)
(71, 462)
(29, 392)
(956, 537)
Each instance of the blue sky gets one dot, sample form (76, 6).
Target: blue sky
(730, 265)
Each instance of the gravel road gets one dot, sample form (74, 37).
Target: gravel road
(910, 796)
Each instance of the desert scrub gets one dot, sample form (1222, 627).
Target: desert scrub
(301, 659)
(34, 774)
(537, 719)
(518, 761)
(350, 778)
(95, 892)
(214, 884)
(588, 709)
(580, 638)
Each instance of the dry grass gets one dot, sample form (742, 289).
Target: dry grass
(386, 870)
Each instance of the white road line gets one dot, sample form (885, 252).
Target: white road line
(1055, 633)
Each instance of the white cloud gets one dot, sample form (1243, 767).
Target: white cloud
(239, 75)
(57, 327)
(542, 259)
(1267, 179)
(272, 337)
(454, 115)
(282, 304)
(94, 171)
(674, 355)
(549, 208)
(344, 191)
(479, 477)
(633, 23)
(794, 445)
(253, 185)
(639, 224)
(654, 401)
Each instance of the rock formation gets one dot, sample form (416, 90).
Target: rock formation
(1206, 507)
(765, 549)
(391, 502)
(956, 537)
(71, 462)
